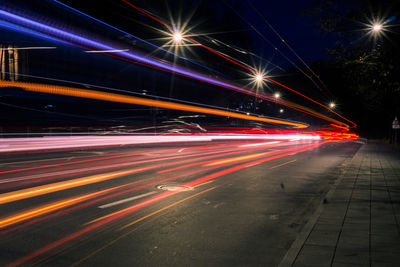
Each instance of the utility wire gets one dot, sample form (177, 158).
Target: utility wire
(289, 46)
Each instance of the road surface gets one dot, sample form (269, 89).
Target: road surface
(221, 203)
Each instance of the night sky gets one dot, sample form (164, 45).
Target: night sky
(300, 30)
(235, 28)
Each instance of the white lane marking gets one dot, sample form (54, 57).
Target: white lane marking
(261, 144)
(296, 139)
(180, 150)
(126, 200)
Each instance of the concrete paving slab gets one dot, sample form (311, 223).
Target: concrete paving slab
(365, 208)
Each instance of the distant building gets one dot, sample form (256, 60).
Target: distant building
(13, 63)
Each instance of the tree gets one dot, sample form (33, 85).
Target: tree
(363, 67)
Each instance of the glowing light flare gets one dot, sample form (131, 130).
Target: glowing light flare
(277, 95)
(377, 27)
(241, 65)
(178, 37)
(256, 79)
(83, 43)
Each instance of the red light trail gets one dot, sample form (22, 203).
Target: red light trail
(241, 65)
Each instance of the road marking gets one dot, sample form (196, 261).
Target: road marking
(167, 207)
(276, 166)
(126, 200)
(79, 262)
(261, 144)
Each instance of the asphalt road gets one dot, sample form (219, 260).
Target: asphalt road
(225, 203)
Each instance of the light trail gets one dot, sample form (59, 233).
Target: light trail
(68, 163)
(136, 58)
(30, 48)
(86, 44)
(133, 36)
(107, 51)
(230, 160)
(26, 215)
(112, 97)
(95, 226)
(242, 66)
(260, 144)
(126, 200)
(50, 188)
(112, 217)
(58, 186)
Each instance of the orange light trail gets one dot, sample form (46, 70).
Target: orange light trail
(50, 188)
(112, 97)
(219, 162)
(68, 163)
(95, 224)
(241, 65)
(26, 215)
(167, 207)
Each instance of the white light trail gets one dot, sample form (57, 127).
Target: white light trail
(261, 144)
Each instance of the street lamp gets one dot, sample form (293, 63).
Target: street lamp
(259, 78)
(277, 95)
(177, 36)
(332, 105)
(377, 27)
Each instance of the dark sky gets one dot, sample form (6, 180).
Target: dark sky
(300, 31)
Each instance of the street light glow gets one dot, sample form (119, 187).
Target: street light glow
(332, 105)
(277, 95)
(377, 27)
(259, 78)
(177, 37)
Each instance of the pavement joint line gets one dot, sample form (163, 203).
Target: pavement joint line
(356, 179)
(390, 197)
(294, 250)
(279, 165)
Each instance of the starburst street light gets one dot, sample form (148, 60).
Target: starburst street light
(177, 36)
(332, 105)
(377, 27)
(277, 95)
(257, 79)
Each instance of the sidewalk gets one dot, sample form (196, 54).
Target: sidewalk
(358, 224)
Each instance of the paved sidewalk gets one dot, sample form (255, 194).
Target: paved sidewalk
(358, 224)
